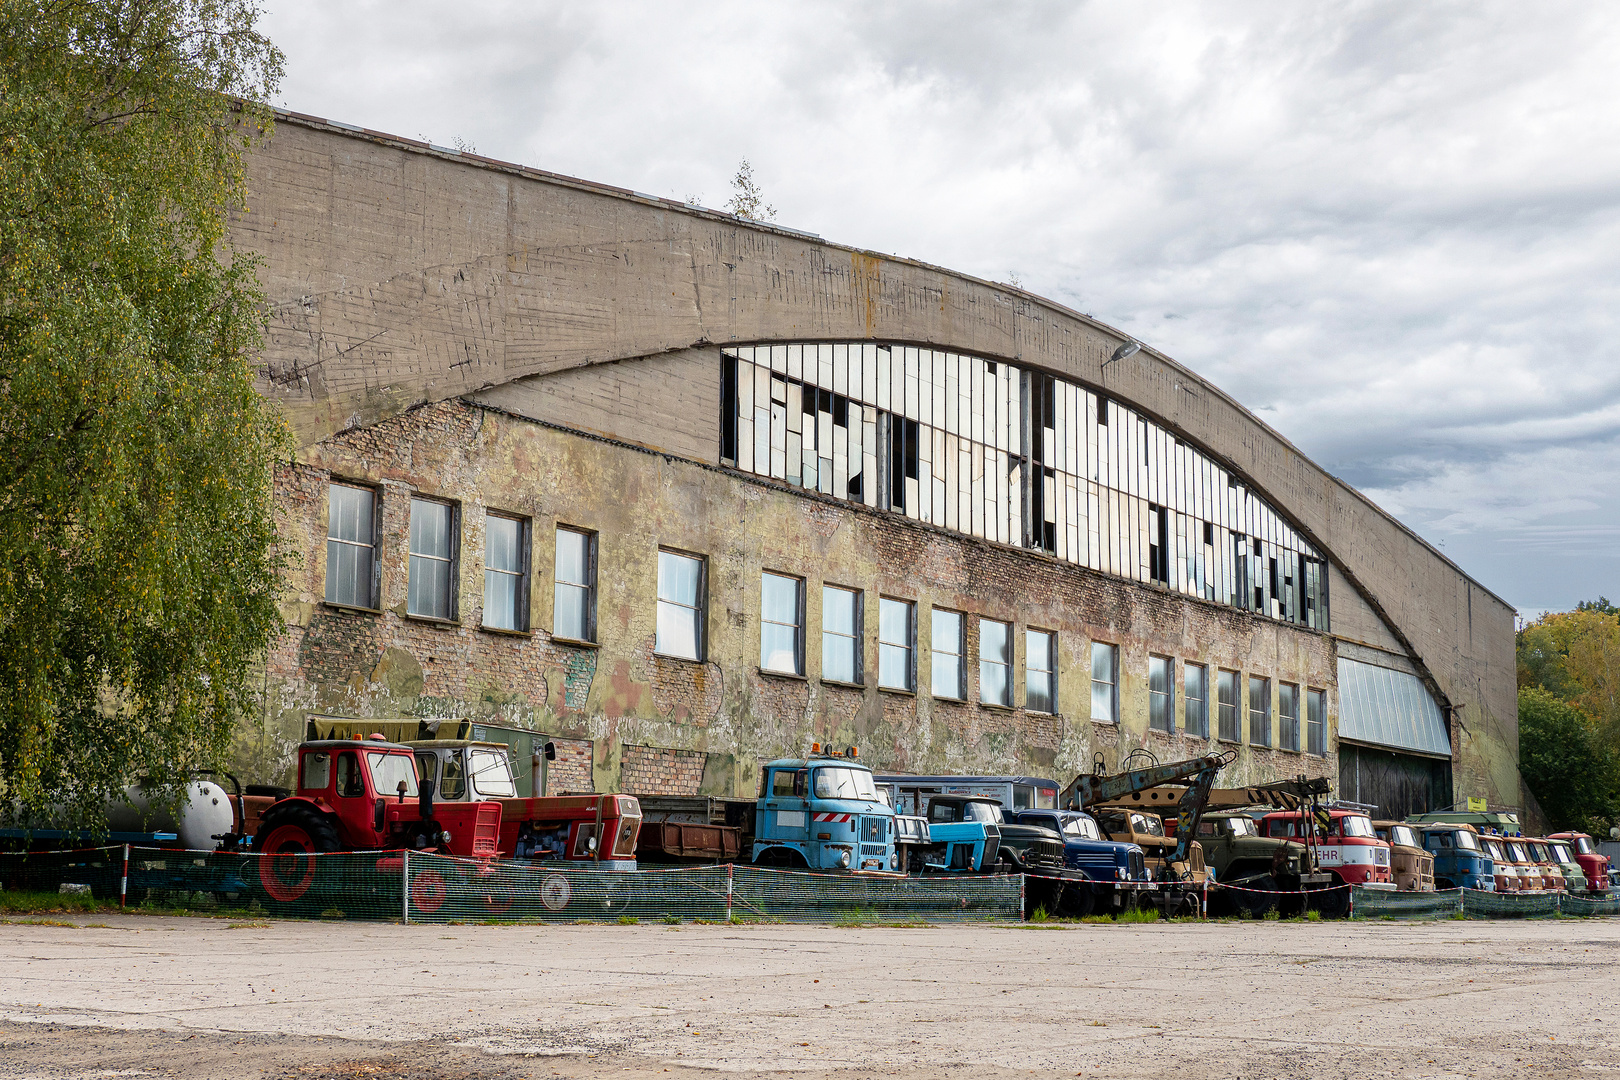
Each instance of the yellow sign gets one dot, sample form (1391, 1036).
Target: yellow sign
(1476, 806)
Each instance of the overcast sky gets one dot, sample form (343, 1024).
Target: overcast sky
(1392, 230)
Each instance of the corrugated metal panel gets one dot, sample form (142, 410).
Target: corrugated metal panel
(1384, 707)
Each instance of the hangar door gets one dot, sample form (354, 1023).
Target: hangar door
(1394, 749)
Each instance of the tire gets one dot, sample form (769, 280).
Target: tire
(1332, 903)
(1256, 904)
(1444, 883)
(781, 859)
(287, 845)
(1079, 900)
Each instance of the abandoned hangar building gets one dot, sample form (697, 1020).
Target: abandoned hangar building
(688, 492)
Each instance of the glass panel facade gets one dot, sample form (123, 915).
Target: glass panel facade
(840, 634)
(1288, 716)
(1259, 711)
(680, 606)
(431, 559)
(895, 624)
(1018, 457)
(995, 662)
(574, 592)
(1195, 699)
(1161, 695)
(1040, 671)
(1226, 706)
(350, 546)
(506, 596)
(1384, 707)
(1104, 680)
(781, 627)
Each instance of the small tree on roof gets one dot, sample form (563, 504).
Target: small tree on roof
(748, 201)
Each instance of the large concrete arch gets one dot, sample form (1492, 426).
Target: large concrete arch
(399, 273)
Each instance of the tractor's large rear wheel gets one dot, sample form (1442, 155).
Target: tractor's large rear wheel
(287, 844)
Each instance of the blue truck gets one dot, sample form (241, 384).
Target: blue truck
(823, 813)
(1460, 860)
(1116, 870)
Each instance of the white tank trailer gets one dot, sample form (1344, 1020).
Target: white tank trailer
(204, 813)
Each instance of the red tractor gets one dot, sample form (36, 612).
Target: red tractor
(362, 795)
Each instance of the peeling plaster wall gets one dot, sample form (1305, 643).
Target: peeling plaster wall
(627, 699)
(399, 275)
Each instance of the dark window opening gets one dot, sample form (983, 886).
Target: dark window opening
(903, 436)
(1209, 532)
(1158, 544)
(1102, 411)
(728, 409)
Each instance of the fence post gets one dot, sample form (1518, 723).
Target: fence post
(405, 883)
(1203, 909)
(123, 882)
(730, 867)
(1020, 897)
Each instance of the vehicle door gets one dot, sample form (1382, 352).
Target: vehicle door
(785, 816)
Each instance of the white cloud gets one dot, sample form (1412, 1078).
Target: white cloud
(1392, 229)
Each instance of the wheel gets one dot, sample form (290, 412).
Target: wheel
(1079, 900)
(1333, 903)
(1442, 884)
(287, 845)
(428, 892)
(1257, 903)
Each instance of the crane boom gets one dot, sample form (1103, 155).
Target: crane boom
(1088, 790)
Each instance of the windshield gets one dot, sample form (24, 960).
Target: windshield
(1356, 825)
(1583, 845)
(987, 812)
(1495, 851)
(1147, 824)
(492, 775)
(833, 783)
(1400, 834)
(1519, 854)
(1465, 841)
(1562, 854)
(1240, 826)
(389, 770)
(1082, 828)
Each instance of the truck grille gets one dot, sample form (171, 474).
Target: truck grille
(874, 849)
(1137, 868)
(874, 829)
(1044, 853)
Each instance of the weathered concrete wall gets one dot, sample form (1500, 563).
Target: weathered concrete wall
(400, 275)
(627, 699)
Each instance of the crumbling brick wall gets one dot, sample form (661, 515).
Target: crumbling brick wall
(657, 770)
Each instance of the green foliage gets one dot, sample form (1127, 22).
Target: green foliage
(137, 567)
(1569, 768)
(747, 200)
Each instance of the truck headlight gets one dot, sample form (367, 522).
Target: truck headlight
(894, 860)
(843, 860)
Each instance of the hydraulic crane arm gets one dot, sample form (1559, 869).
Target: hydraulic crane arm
(1199, 773)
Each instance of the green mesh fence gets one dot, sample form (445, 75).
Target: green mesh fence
(1582, 905)
(1380, 904)
(445, 889)
(48, 871)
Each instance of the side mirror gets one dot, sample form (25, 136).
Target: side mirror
(426, 799)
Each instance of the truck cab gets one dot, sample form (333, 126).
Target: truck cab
(1146, 830)
(1410, 864)
(964, 833)
(1564, 858)
(1460, 860)
(1347, 847)
(822, 813)
(1239, 856)
(1085, 847)
(1506, 871)
(1594, 866)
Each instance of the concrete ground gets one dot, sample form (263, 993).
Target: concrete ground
(146, 996)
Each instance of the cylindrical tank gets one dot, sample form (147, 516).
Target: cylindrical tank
(203, 813)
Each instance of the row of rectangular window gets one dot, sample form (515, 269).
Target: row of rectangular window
(435, 527)
(433, 564)
(781, 645)
(1228, 710)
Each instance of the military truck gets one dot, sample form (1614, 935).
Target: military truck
(1239, 856)
(1410, 864)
